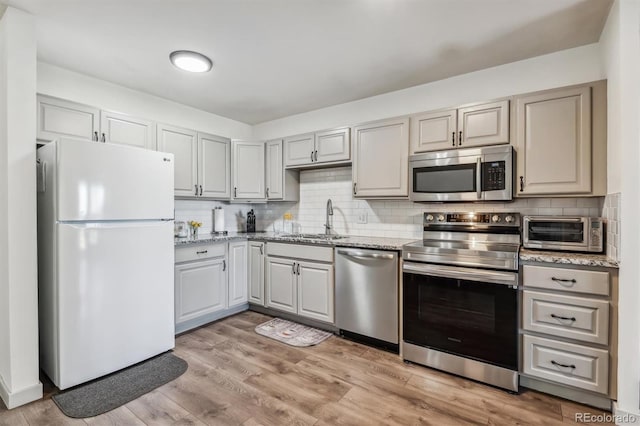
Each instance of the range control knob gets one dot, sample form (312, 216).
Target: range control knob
(508, 219)
(440, 218)
(495, 218)
(429, 218)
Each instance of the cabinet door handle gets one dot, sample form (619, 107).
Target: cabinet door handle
(557, 364)
(316, 155)
(261, 249)
(562, 280)
(201, 190)
(572, 319)
(224, 265)
(355, 188)
(453, 138)
(95, 134)
(104, 137)
(235, 191)
(460, 138)
(202, 252)
(521, 183)
(312, 156)
(196, 187)
(267, 192)
(293, 268)
(298, 268)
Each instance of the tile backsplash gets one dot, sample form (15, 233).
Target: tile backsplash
(611, 211)
(401, 219)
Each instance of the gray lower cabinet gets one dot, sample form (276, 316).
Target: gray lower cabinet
(300, 280)
(569, 331)
(210, 283)
(256, 272)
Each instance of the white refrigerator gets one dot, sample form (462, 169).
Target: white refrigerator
(106, 255)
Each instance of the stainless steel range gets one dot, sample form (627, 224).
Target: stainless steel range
(460, 296)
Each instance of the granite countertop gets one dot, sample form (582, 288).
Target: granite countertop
(568, 258)
(379, 243)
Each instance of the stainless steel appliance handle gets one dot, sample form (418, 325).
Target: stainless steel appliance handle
(366, 255)
(552, 219)
(479, 178)
(469, 274)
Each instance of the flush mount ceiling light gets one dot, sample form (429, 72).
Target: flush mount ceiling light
(190, 61)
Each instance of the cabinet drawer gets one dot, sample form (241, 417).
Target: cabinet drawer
(576, 280)
(197, 252)
(300, 251)
(566, 363)
(566, 316)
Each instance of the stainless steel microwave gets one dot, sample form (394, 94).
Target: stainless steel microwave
(476, 174)
(565, 233)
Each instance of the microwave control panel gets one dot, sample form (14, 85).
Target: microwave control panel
(493, 176)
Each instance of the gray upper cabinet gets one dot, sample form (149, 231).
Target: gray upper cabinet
(59, 118)
(126, 130)
(330, 146)
(281, 184)
(434, 131)
(183, 144)
(553, 142)
(299, 150)
(485, 124)
(381, 159)
(275, 170)
(214, 166)
(471, 126)
(202, 162)
(248, 171)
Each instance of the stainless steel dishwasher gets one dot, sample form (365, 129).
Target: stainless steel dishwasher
(367, 296)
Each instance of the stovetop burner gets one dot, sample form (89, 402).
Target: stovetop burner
(479, 240)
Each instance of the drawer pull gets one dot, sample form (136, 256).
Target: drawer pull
(562, 280)
(557, 364)
(202, 252)
(563, 318)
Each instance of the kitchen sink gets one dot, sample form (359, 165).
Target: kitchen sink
(315, 236)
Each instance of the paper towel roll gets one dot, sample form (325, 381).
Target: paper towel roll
(218, 220)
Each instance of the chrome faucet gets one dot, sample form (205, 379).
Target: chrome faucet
(327, 226)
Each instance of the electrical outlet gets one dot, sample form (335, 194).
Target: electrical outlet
(362, 217)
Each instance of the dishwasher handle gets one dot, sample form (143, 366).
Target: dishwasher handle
(366, 255)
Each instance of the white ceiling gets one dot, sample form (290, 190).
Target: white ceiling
(274, 58)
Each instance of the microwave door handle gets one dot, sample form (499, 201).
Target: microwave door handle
(479, 178)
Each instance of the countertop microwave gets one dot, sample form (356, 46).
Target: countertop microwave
(476, 174)
(564, 233)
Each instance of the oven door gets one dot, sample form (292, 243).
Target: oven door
(463, 311)
(446, 179)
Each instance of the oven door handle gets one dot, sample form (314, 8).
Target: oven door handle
(469, 274)
(553, 219)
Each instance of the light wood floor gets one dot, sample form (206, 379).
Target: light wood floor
(238, 377)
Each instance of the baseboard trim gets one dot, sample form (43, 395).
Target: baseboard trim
(21, 397)
(206, 319)
(573, 394)
(622, 417)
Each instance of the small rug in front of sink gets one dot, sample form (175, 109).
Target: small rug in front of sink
(292, 333)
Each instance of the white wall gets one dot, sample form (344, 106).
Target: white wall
(19, 367)
(620, 43)
(62, 83)
(563, 68)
